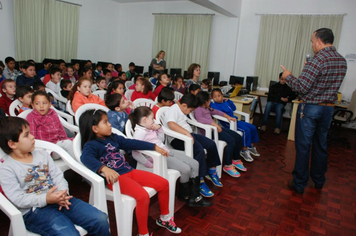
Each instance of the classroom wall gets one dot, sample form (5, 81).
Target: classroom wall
(7, 45)
(250, 22)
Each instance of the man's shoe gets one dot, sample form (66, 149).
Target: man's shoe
(277, 131)
(253, 151)
(292, 187)
(263, 128)
(246, 155)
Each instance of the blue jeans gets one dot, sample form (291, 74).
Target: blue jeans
(311, 131)
(278, 108)
(49, 220)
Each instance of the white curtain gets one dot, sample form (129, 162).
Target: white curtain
(285, 40)
(185, 39)
(46, 28)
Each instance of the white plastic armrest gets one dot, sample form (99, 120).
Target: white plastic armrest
(188, 141)
(159, 162)
(69, 126)
(246, 115)
(68, 117)
(15, 216)
(232, 123)
(207, 128)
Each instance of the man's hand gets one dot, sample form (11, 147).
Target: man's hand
(284, 99)
(286, 72)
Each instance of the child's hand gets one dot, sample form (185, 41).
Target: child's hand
(225, 99)
(110, 175)
(155, 126)
(161, 151)
(131, 105)
(53, 197)
(229, 118)
(190, 136)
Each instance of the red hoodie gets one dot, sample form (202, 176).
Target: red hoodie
(5, 101)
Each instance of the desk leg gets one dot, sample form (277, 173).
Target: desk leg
(293, 118)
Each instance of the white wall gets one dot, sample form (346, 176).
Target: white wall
(250, 22)
(7, 45)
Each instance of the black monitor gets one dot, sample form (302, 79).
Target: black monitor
(251, 83)
(214, 76)
(176, 71)
(236, 79)
(139, 69)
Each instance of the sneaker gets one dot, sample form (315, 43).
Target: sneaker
(263, 128)
(253, 151)
(277, 131)
(230, 170)
(246, 155)
(239, 165)
(205, 190)
(215, 179)
(170, 225)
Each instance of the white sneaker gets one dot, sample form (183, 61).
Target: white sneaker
(246, 155)
(253, 151)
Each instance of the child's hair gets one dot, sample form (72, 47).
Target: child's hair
(117, 66)
(99, 78)
(206, 82)
(75, 87)
(190, 71)
(113, 86)
(166, 94)
(6, 81)
(113, 100)
(27, 64)
(105, 71)
(140, 112)
(86, 69)
(98, 65)
(159, 78)
(190, 100)
(176, 78)
(32, 61)
(64, 83)
(21, 63)
(147, 85)
(121, 73)
(9, 59)
(10, 129)
(215, 90)
(202, 98)
(40, 93)
(54, 70)
(193, 87)
(155, 72)
(22, 90)
(132, 64)
(37, 85)
(46, 61)
(70, 67)
(86, 122)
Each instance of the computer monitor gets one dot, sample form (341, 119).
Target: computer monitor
(251, 83)
(176, 71)
(215, 76)
(236, 79)
(139, 69)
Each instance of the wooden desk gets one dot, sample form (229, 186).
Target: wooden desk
(259, 94)
(242, 104)
(291, 132)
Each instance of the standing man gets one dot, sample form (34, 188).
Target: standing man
(317, 86)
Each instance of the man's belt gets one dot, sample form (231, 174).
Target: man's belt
(320, 104)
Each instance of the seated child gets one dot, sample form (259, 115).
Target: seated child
(66, 86)
(45, 124)
(176, 119)
(131, 72)
(24, 93)
(101, 154)
(107, 75)
(178, 84)
(46, 64)
(8, 92)
(163, 81)
(29, 77)
(70, 75)
(39, 86)
(118, 67)
(194, 89)
(62, 66)
(206, 85)
(146, 130)
(36, 186)
(165, 98)
(2, 77)
(87, 72)
(118, 86)
(54, 83)
(143, 89)
(203, 114)
(117, 115)
(81, 94)
(154, 77)
(101, 83)
(122, 76)
(250, 135)
(76, 67)
(98, 69)
(9, 71)
(137, 76)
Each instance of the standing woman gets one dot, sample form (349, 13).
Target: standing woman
(158, 63)
(193, 74)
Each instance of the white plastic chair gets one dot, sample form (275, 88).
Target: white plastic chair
(17, 225)
(143, 102)
(128, 84)
(88, 106)
(100, 93)
(56, 96)
(69, 108)
(94, 87)
(124, 204)
(128, 93)
(244, 114)
(177, 95)
(15, 107)
(225, 89)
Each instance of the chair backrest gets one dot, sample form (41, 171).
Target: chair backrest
(94, 87)
(128, 84)
(100, 93)
(128, 93)
(88, 106)
(15, 107)
(160, 115)
(69, 108)
(128, 129)
(56, 96)
(177, 95)
(143, 102)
